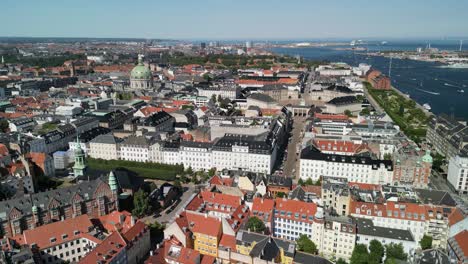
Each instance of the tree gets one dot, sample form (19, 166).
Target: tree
(348, 113)
(4, 125)
(306, 245)
(387, 156)
(395, 251)
(341, 261)
(178, 185)
(280, 195)
(189, 170)
(213, 98)
(220, 98)
(255, 224)
(365, 111)
(156, 231)
(309, 181)
(141, 204)
(426, 242)
(212, 172)
(300, 182)
(360, 254)
(377, 251)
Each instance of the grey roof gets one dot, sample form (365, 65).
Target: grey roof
(435, 197)
(106, 139)
(136, 141)
(344, 100)
(432, 256)
(304, 258)
(312, 153)
(42, 199)
(266, 247)
(262, 97)
(367, 227)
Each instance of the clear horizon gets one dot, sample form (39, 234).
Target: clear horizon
(236, 20)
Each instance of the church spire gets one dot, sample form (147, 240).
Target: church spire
(80, 162)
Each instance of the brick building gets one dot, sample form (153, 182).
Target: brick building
(378, 80)
(94, 198)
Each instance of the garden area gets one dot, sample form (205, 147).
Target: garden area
(146, 170)
(411, 119)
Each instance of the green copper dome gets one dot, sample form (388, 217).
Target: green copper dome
(427, 157)
(141, 72)
(34, 209)
(112, 181)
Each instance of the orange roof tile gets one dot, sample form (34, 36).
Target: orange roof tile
(107, 250)
(365, 186)
(293, 206)
(208, 259)
(456, 216)
(462, 239)
(135, 230)
(220, 198)
(42, 235)
(184, 256)
(116, 221)
(228, 241)
(203, 224)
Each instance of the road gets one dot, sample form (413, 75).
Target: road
(292, 161)
(439, 183)
(373, 102)
(165, 218)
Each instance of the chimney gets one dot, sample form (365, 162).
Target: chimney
(262, 200)
(151, 251)
(132, 220)
(206, 215)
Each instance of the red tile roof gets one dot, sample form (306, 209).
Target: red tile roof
(365, 186)
(41, 236)
(264, 206)
(184, 255)
(116, 221)
(4, 150)
(202, 223)
(293, 206)
(331, 116)
(107, 250)
(208, 259)
(462, 241)
(456, 216)
(228, 241)
(220, 198)
(134, 231)
(336, 145)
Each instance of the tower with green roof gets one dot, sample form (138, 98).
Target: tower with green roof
(80, 166)
(114, 188)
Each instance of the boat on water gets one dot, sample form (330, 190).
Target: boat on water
(461, 91)
(427, 107)
(456, 65)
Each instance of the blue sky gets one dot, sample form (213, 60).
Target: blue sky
(235, 19)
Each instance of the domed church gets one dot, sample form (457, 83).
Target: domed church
(141, 76)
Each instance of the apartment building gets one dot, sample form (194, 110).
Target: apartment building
(336, 195)
(447, 136)
(458, 173)
(338, 237)
(294, 218)
(105, 147)
(314, 164)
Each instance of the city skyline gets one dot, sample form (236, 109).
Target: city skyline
(235, 19)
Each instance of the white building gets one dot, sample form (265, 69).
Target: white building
(135, 148)
(239, 152)
(338, 238)
(225, 92)
(293, 218)
(68, 110)
(458, 173)
(196, 155)
(367, 231)
(105, 147)
(314, 164)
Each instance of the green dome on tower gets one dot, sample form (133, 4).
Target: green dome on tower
(427, 157)
(112, 181)
(34, 209)
(141, 72)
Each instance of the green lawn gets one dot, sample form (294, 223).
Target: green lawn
(145, 170)
(404, 112)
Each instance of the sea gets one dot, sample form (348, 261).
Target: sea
(424, 82)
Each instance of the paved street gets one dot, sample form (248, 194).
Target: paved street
(291, 162)
(439, 183)
(373, 102)
(164, 218)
